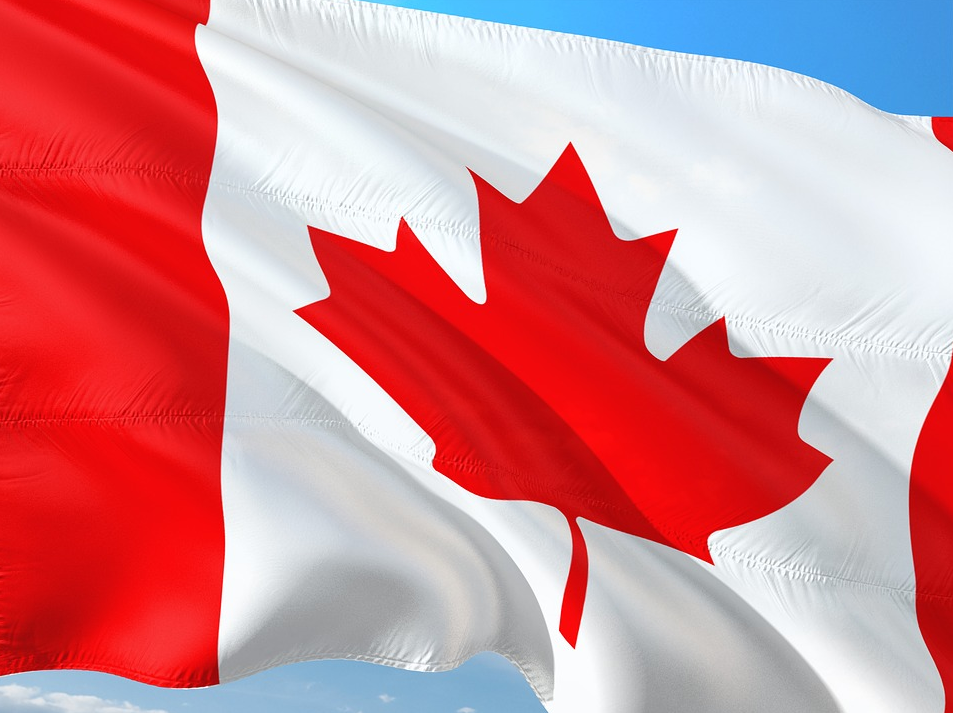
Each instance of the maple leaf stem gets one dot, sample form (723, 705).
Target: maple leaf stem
(575, 594)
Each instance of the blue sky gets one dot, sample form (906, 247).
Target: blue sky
(895, 54)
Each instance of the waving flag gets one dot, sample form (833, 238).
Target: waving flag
(334, 330)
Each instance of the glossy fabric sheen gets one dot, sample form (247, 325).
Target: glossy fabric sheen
(161, 521)
(112, 378)
(814, 225)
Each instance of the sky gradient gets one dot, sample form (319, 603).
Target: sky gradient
(897, 55)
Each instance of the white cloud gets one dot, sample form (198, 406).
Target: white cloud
(466, 709)
(23, 699)
(387, 699)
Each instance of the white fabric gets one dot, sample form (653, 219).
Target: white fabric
(816, 224)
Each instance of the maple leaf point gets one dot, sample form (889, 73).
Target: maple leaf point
(547, 392)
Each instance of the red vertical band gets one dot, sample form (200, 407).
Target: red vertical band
(931, 529)
(931, 514)
(943, 129)
(115, 330)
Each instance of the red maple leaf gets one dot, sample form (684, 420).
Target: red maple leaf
(547, 392)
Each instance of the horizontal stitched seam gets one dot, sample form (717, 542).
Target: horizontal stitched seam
(423, 457)
(911, 351)
(384, 660)
(68, 169)
(114, 419)
(455, 229)
(792, 572)
(750, 322)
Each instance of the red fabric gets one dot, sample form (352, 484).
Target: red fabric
(943, 128)
(931, 514)
(115, 338)
(931, 530)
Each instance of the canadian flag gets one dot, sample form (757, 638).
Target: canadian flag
(335, 330)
